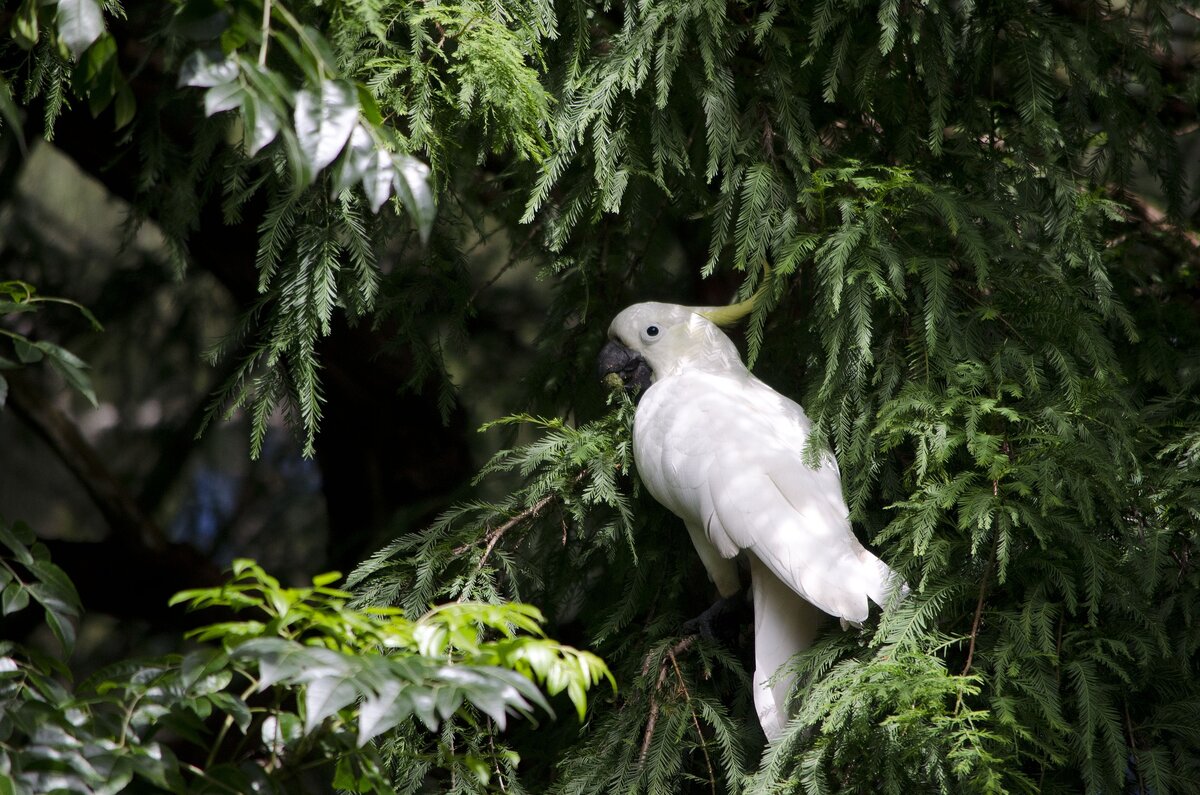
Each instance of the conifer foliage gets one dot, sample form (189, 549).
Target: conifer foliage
(977, 234)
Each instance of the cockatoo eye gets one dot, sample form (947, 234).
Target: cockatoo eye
(651, 331)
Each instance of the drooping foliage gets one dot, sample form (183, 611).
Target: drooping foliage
(977, 233)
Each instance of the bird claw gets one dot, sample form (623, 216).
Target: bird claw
(720, 620)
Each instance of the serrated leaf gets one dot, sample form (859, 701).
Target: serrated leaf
(416, 194)
(80, 23)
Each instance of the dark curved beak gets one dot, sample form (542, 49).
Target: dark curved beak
(630, 367)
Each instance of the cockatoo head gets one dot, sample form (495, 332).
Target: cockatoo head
(650, 341)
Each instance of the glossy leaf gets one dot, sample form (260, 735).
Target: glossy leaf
(226, 96)
(261, 124)
(205, 69)
(80, 23)
(412, 184)
(377, 179)
(325, 121)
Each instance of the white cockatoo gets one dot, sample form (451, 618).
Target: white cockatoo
(725, 453)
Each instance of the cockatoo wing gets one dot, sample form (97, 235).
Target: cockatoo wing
(725, 453)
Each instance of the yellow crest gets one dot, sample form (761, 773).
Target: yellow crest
(728, 315)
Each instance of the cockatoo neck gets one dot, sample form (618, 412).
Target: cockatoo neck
(696, 345)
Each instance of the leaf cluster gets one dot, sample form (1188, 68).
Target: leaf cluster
(19, 298)
(308, 687)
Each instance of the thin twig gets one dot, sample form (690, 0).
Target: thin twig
(987, 573)
(1133, 747)
(529, 513)
(680, 647)
(266, 33)
(712, 776)
(513, 258)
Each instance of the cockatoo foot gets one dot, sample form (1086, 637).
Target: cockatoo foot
(721, 621)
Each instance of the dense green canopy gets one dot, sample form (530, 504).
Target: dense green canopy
(974, 226)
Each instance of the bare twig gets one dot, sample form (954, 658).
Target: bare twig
(712, 776)
(494, 536)
(683, 645)
(987, 574)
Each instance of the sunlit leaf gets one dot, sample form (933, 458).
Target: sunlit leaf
(205, 69)
(325, 696)
(377, 179)
(261, 124)
(226, 96)
(324, 122)
(80, 23)
(416, 194)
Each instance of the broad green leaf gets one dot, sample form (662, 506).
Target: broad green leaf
(280, 730)
(17, 539)
(125, 107)
(355, 160)
(261, 124)
(325, 696)
(59, 614)
(327, 578)
(12, 308)
(14, 598)
(205, 69)
(75, 376)
(57, 581)
(370, 108)
(415, 192)
(377, 179)
(289, 662)
(383, 710)
(25, 24)
(80, 23)
(98, 65)
(226, 96)
(324, 123)
(27, 351)
(61, 354)
(234, 707)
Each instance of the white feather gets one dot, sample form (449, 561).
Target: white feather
(725, 453)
